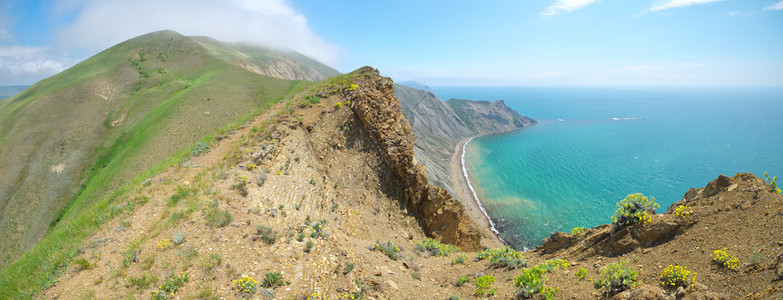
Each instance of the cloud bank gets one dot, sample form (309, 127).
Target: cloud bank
(101, 23)
(562, 6)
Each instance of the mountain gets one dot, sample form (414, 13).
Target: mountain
(9, 91)
(80, 135)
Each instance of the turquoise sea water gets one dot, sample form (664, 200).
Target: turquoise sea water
(593, 146)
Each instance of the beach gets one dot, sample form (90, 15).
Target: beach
(469, 201)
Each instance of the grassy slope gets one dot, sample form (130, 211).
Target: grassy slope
(165, 112)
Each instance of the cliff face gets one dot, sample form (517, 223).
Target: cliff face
(439, 126)
(441, 215)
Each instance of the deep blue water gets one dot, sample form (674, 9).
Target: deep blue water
(593, 146)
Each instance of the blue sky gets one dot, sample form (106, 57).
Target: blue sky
(509, 43)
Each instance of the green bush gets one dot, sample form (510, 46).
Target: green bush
(458, 260)
(483, 283)
(435, 247)
(199, 148)
(581, 273)
(274, 280)
(772, 183)
(617, 277)
(462, 280)
(217, 217)
(503, 258)
(142, 281)
(530, 282)
(391, 250)
(268, 235)
(635, 208)
(549, 293)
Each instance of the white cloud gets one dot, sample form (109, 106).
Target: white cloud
(776, 6)
(669, 4)
(562, 6)
(24, 65)
(100, 24)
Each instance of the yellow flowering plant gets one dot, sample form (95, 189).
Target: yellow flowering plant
(675, 275)
(682, 211)
(723, 259)
(246, 286)
(634, 209)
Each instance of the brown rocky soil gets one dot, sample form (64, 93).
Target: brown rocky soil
(351, 168)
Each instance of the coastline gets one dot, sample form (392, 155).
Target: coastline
(474, 208)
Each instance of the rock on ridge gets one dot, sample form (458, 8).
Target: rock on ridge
(442, 216)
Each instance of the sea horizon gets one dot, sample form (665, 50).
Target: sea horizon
(594, 145)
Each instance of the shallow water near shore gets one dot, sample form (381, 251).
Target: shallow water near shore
(593, 146)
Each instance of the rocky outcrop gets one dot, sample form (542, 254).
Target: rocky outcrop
(379, 111)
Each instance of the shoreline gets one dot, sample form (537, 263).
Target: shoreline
(470, 200)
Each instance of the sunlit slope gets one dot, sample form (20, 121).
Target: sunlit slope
(77, 135)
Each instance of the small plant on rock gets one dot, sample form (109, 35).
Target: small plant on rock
(577, 230)
(723, 259)
(484, 283)
(458, 260)
(682, 211)
(268, 235)
(772, 183)
(246, 286)
(675, 275)
(503, 258)
(274, 280)
(634, 209)
(617, 277)
(391, 250)
(581, 273)
(435, 247)
(462, 280)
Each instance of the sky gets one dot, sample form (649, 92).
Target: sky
(439, 43)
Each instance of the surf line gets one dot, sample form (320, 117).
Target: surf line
(475, 196)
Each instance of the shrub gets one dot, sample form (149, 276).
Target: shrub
(349, 267)
(581, 273)
(179, 238)
(309, 246)
(316, 230)
(552, 264)
(353, 87)
(530, 282)
(682, 211)
(435, 247)
(261, 179)
(674, 275)
(391, 250)
(338, 105)
(617, 277)
(218, 218)
(577, 230)
(772, 183)
(635, 208)
(170, 286)
(549, 293)
(199, 148)
(182, 193)
(483, 283)
(458, 260)
(268, 235)
(83, 264)
(462, 280)
(274, 280)
(129, 257)
(240, 185)
(246, 286)
(723, 259)
(142, 281)
(503, 257)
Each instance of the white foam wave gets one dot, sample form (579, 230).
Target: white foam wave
(475, 196)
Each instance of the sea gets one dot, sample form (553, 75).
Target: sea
(592, 146)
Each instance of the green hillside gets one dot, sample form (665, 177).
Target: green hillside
(71, 140)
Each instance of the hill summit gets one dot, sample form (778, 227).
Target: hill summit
(71, 138)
